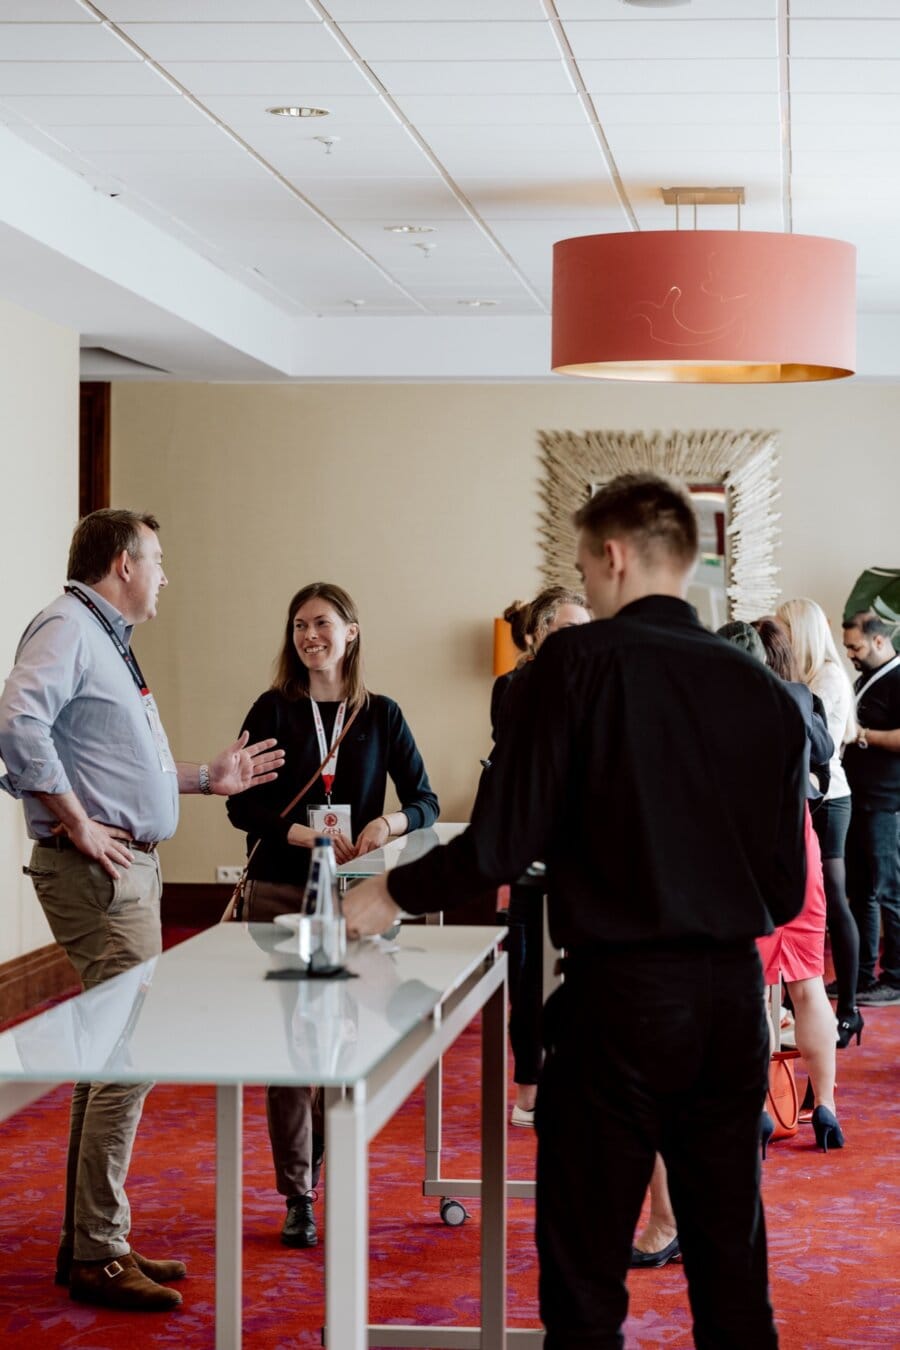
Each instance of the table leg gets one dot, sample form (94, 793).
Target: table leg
(229, 1281)
(493, 1171)
(346, 1220)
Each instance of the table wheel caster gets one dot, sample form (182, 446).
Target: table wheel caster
(453, 1213)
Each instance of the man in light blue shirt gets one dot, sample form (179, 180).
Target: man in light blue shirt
(86, 753)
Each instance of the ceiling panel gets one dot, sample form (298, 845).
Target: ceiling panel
(86, 110)
(847, 110)
(545, 152)
(844, 9)
(184, 171)
(45, 11)
(667, 38)
(167, 42)
(680, 109)
(699, 9)
(258, 79)
(689, 76)
(473, 77)
(674, 144)
(452, 41)
(387, 200)
(845, 77)
(586, 199)
(402, 11)
(812, 136)
(521, 110)
(204, 11)
(61, 42)
(713, 166)
(143, 139)
(122, 78)
(845, 38)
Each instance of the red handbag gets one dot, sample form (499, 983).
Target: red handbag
(782, 1102)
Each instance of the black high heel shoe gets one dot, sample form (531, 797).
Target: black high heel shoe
(766, 1130)
(848, 1027)
(826, 1129)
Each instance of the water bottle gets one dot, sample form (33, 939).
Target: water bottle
(322, 931)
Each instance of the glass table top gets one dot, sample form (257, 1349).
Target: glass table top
(204, 1012)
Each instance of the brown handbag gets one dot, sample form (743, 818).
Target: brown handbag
(234, 909)
(782, 1101)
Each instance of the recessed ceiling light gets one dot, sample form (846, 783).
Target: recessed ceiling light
(655, 4)
(409, 229)
(290, 111)
(477, 304)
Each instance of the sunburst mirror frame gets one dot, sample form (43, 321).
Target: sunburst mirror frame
(745, 462)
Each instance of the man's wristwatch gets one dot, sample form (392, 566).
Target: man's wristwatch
(205, 785)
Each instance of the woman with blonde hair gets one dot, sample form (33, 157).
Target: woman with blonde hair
(819, 667)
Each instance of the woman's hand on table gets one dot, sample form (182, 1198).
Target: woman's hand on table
(375, 835)
(344, 851)
(369, 909)
(301, 836)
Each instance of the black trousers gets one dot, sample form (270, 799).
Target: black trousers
(525, 954)
(653, 1050)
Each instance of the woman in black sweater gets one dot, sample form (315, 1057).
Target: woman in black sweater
(318, 687)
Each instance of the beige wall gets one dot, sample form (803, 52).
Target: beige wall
(39, 472)
(422, 501)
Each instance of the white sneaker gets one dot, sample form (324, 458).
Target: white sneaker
(521, 1117)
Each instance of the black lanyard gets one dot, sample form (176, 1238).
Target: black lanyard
(126, 654)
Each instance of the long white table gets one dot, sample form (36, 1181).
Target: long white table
(205, 1013)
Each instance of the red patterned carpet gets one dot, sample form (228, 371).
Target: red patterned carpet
(833, 1225)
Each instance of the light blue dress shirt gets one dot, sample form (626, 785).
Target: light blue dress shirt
(72, 719)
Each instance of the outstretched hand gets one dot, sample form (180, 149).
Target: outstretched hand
(243, 766)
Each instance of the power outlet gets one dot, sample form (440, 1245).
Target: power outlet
(228, 876)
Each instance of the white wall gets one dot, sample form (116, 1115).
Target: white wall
(422, 501)
(39, 473)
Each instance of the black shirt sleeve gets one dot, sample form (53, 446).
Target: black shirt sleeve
(258, 810)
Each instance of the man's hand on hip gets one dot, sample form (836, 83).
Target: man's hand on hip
(100, 843)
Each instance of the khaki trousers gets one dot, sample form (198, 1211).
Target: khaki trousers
(294, 1114)
(105, 927)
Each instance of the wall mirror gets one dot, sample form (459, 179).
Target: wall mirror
(732, 478)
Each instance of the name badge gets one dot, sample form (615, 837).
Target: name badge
(330, 820)
(160, 740)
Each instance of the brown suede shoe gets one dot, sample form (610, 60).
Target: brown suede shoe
(119, 1283)
(161, 1272)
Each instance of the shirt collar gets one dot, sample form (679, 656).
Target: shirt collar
(116, 619)
(667, 608)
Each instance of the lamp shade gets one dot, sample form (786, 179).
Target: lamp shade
(704, 306)
(506, 653)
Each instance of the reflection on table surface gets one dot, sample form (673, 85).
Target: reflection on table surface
(205, 1012)
(403, 850)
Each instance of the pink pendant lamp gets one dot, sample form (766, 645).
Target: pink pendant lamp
(704, 307)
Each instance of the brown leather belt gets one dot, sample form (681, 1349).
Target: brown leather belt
(62, 841)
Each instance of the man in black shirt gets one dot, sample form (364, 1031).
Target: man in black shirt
(873, 772)
(659, 773)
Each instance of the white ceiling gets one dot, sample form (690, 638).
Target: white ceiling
(148, 198)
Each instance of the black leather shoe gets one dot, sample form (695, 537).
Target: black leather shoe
(300, 1226)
